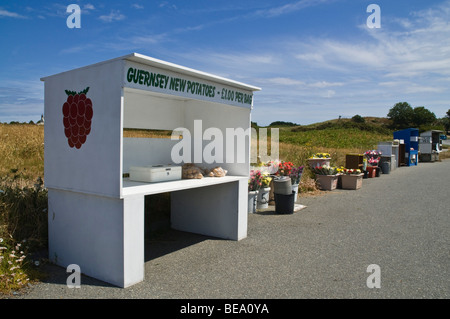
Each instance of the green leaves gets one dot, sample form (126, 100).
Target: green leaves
(68, 92)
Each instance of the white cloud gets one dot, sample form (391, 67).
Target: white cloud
(137, 6)
(166, 4)
(88, 6)
(282, 81)
(112, 16)
(289, 8)
(9, 14)
(324, 84)
(148, 39)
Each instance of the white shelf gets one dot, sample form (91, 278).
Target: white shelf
(130, 188)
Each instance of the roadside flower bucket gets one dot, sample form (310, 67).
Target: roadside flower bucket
(372, 171)
(319, 159)
(263, 198)
(327, 177)
(296, 176)
(284, 204)
(295, 190)
(252, 197)
(264, 192)
(254, 184)
(377, 171)
(351, 179)
(385, 167)
(327, 182)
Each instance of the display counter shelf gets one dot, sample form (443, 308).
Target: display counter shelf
(131, 188)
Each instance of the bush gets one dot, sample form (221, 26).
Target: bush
(23, 212)
(358, 119)
(23, 231)
(281, 123)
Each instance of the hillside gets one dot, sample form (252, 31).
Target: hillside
(22, 145)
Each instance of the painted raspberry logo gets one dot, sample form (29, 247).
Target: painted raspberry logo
(78, 112)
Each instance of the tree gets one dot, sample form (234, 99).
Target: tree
(423, 116)
(447, 121)
(401, 115)
(282, 123)
(358, 119)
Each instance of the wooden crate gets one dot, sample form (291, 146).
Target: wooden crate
(354, 161)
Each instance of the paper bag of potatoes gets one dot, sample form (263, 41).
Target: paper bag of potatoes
(191, 171)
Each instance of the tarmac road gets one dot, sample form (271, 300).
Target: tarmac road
(398, 221)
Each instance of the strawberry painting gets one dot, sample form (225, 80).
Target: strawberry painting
(77, 112)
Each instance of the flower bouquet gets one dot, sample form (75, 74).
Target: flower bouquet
(373, 157)
(296, 174)
(265, 180)
(285, 168)
(319, 159)
(271, 167)
(321, 155)
(325, 170)
(254, 184)
(351, 171)
(263, 197)
(255, 180)
(351, 178)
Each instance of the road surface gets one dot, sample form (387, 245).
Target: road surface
(399, 222)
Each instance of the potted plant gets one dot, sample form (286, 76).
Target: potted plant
(319, 159)
(263, 193)
(326, 177)
(254, 184)
(351, 178)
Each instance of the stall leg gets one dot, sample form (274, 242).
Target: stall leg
(218, 211)
(103, 236)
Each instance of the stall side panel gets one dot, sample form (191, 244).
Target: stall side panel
(83, 129)
(220, 136)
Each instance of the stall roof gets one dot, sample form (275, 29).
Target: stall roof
(432, 131)
(143, 59)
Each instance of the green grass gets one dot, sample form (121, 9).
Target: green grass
(23, 204)
(334, 138)
(22, 151)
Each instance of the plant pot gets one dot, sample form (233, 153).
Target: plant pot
(284, 204)
(252, 196)
(352, 181)
(372, 171)
(271, 193)
(295, 190)
(377, 171)
(386, 167)
(263, 198)
(339, 182)
(317, 162)
(327, 182)
(282, 185)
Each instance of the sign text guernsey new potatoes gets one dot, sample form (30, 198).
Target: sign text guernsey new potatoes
(163, 81)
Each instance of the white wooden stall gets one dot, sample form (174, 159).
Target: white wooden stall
(430, 145)
(96, 215)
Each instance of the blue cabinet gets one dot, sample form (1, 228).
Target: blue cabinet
(410, 136)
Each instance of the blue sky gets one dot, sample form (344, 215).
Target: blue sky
(315, 60)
